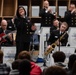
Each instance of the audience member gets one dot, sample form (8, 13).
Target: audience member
(55, 70)
(74, 68)
(25, 67)
(35, 69)
(59, 58)
(15, 67)
(72, 59)
(4, 68)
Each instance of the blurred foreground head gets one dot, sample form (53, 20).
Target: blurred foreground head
(55, 70)
(24, 55)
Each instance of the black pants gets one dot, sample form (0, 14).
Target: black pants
(21, 46)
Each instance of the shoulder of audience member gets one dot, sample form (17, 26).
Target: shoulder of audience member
(36, 68)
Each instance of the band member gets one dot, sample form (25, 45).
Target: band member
(46, 15)
(11, 25)
(69, 14)
(8, 40)
(24, 30)
(58, 33)
(55, 25)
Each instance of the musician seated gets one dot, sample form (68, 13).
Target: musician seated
(55, 25)
(5, 35)
(11, 25)
(56, 34)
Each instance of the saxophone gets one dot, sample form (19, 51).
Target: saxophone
(52, 46)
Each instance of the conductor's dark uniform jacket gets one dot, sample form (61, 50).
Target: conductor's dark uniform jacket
(24, 32)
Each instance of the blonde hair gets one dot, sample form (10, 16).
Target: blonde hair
(64, 23)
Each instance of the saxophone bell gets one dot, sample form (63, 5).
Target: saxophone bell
(53, 46)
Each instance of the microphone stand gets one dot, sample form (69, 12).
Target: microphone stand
(44, 62)
(44, 59)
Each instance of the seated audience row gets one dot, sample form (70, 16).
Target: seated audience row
(23, 65)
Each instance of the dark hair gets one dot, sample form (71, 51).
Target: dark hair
(55, 70)
(72, 59)
(17, 13)
(59, 56)
(15, 64)
(24, 55)
(55, 19)
(1, 56)
(74, 68)
(24, 67)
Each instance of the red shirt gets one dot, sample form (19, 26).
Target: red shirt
(36, 70)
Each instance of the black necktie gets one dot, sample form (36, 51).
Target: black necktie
(61, 33)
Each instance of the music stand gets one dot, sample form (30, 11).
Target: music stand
(72, 36)
(35, 42)
(44, 32)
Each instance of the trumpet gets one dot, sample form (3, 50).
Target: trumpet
(52, 46)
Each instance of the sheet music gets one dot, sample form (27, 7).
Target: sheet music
(53, 8)
(9, 54)
(37, 28)
(62, 10)
(72, 36)
(35, 11)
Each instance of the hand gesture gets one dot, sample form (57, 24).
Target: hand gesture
(58, 43)
(48, 47)
(49, 10)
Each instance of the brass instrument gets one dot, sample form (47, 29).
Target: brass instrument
(52, 46)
